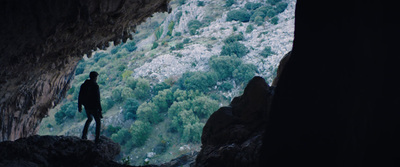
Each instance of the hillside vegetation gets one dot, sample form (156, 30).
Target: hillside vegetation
(159, 89)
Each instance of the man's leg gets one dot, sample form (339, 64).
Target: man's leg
(98, 126)
(86, 127)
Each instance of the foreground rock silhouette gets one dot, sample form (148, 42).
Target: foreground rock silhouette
(58, 151)
(69, 151)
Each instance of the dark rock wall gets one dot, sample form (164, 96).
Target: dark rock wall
(41, 42)
(337, 100)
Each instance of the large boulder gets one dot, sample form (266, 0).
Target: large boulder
(232, 135)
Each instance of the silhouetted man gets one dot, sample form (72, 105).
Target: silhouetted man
(89, 96)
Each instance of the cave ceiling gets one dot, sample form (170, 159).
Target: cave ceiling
(41, 43)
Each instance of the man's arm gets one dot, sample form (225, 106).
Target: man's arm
(99, 102)
(80, 99)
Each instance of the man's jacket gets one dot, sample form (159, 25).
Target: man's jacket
(89, 96)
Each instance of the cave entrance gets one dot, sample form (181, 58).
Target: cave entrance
(158, 89)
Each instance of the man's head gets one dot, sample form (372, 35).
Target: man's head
(93, 75)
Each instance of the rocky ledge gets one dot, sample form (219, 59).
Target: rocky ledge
(58, 151)
(68, 151)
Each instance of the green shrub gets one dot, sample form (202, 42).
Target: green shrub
(122, 136)
(181, 2)
(252, 5)
(200, 3)
(127, 93)
(198, 81)
(140, 132)
(234, 38)
(274, 20)
(116, 49)
(69, 109)
(234, 28)
(224, 65)
(155, 45)
(130, 46)
(266, 52)
(163, 100)
(238, 15)
(226, 86)
(99, 55)
(71, 90)
(256, 14)
(263, 9)
(121, 67)
(273, 2)
(259, 20)
(280, 7)
(271, 13)
(234, 49)
(107, 103)
(229, 3)
(142, 90)
(184, 117)
(148, 112)
(159, 32)
(186, 41)
(177, 107)
(131, 82)
(170, 28)
(193, 26)
(204, 106)
(192, 132)
(126, 74)
(109, 130)
(102, 62)
(59, 117)
(116, 94)
(208, 19)
(178, 34)
(80, 67)
(179, 46)
(130, 107)
(159, 87)
(244, 73)
(249, 28)
(180, 95)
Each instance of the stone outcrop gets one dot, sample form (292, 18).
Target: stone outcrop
(41, 43)
(58, 151)
(232, 135)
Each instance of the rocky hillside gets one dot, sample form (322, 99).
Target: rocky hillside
(182, 64)
(278, 37)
